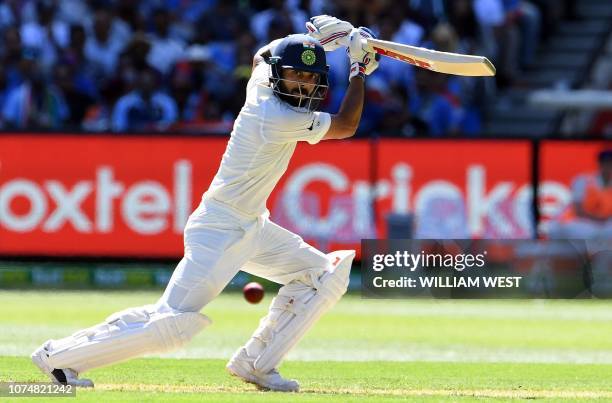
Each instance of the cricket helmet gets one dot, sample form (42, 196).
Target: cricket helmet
(303, 53)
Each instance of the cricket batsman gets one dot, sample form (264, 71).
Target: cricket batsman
(231, 230)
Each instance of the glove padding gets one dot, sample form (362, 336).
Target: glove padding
(357, 53)
(331, 32)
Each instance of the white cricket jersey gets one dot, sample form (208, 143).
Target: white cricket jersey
(262, 142)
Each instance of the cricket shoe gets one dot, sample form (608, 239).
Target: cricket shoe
(59, 376)
(241, 366)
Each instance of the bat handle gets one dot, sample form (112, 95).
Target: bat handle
(365, 46)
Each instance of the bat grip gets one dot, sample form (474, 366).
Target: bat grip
(365, 46)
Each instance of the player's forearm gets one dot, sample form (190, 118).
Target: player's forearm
(352, 106)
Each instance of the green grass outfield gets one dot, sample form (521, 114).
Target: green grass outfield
(363, 350)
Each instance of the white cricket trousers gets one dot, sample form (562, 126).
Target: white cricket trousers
(219, 242)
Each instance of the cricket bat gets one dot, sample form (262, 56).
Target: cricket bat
(441, 62)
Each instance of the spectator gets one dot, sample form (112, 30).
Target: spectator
(129, 17)
(131, 62)
(11, 57)
(74, 12)
(462, 18)
(527, 19)
(136, 53)
(511, 33)
(8, 14)
(74, 57)
(102, 47)
(226, 21)
(500, 39)
(165, 49)
(394, 27)
(242, 72)
(396, 119)
(192, 10)
(428, 13)
(222, 52)
(189, 96)
(279, 9)
(590, 214)
(278, 27)
(434, 104)
(34, 104)
(145, 108)
(74, 53)
(464, 89)
(46, 34)
(77, 98)
(205, 75)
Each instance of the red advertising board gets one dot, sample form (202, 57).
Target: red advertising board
(130, 196)
(562, 164)
(101, 196)
(456, 189)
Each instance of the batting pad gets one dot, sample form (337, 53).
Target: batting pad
(127, 334)
(295, 309)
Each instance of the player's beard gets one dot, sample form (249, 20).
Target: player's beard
(294, 98)
(300, 97)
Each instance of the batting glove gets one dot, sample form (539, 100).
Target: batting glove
(362, 62)
(331, 32)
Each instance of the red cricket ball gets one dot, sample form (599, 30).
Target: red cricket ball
(253, 292)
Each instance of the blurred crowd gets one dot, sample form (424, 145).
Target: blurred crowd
(182, 65)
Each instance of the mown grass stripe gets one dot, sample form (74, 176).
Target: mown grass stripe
(480, 393)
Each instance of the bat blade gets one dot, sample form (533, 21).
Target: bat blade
(441, 62)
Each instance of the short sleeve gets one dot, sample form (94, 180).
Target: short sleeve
(287, 125)
(259, 75)
(319, 127)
